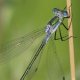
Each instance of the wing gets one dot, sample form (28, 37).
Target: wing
(33, 65)
(17, 46)
(54, 67)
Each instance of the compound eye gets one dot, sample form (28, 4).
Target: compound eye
(65, 14)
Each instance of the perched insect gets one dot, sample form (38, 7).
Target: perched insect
(51, 28)
(27, 40)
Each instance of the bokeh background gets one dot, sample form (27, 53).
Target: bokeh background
(19, 17)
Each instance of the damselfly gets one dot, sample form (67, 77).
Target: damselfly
(27, 40)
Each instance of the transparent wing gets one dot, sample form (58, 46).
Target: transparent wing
(54, 67)
(33, 65)
(17, 46)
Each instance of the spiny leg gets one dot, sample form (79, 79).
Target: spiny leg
(62, 38)
(65, 37)
(61, 35)
(55, 37)
(67, 28)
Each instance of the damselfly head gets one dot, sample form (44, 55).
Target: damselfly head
(60, 13)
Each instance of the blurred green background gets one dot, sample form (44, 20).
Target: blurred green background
(17, 18)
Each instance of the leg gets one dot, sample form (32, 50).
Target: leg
(62, 38)
(66, 10)
(61, 35)
(66, 6)
(55, 38)
(65, 26)
(69, 24)
(65, 37)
